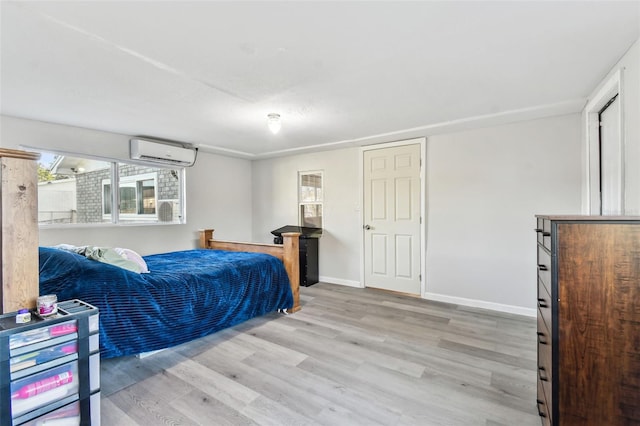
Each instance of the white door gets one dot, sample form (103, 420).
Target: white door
(610, 159)
(392, 218)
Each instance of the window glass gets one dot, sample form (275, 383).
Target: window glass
(147, 189)
(106, 199)
(311, 215)
(128, 203)
(63, 185)
(80, 190)
(310, 187)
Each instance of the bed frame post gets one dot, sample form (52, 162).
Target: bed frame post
(291, 244)
(205, 236)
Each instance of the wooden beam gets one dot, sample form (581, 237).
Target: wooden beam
(291, 260)
(19, 237)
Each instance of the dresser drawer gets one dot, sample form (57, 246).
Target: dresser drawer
(543, 409)
(544, 349)
(546, 234)
(544, 267)
(544, 338)
(543, 230)
(544, 305)
(540, 230)
(544, 360)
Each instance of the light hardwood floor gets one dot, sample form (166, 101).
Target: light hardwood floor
(350, 357)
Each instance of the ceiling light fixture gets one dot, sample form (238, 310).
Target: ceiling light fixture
(274, 123)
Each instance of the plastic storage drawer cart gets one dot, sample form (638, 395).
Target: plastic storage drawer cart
(50, 368)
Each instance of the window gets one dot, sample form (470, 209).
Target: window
(310, 199)
(80, 191)
(137, 194)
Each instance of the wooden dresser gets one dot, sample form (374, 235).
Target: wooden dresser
(588, 320)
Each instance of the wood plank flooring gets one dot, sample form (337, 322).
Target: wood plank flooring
(350, 357)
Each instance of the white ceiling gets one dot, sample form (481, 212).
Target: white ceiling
(339, 73)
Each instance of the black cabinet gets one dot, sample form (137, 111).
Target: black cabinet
(308, 261)
(309, 271)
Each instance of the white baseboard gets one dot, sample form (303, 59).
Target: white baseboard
(348, 283)
(474, 303)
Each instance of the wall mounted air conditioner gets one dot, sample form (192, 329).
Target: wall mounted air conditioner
(162, 152)
(169, 211)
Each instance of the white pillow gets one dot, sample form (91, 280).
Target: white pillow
(134, 257)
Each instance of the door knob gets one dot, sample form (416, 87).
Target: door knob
(367, 227)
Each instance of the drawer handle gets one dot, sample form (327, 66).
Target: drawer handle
(546, 234)
(543, 267)
(542, 303)
(541, 413)
(538, 229)
(541, 340)
(544, 377)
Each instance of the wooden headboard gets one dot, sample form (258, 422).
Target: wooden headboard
(288, 252)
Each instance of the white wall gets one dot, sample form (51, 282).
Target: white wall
(218, 191)
(629, 66)
(276, 204)
(484, 188)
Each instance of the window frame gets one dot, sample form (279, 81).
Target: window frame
(318, 200)
(115, 178)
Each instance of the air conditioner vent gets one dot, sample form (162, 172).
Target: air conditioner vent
(165, 211)
(168, 211)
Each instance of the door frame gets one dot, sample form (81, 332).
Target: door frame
(422, 141)
(591, 189)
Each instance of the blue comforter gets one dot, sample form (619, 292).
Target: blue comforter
(187, 294)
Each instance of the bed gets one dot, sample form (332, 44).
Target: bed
(187, 294)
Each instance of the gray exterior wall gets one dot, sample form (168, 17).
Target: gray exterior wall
(89, 195)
